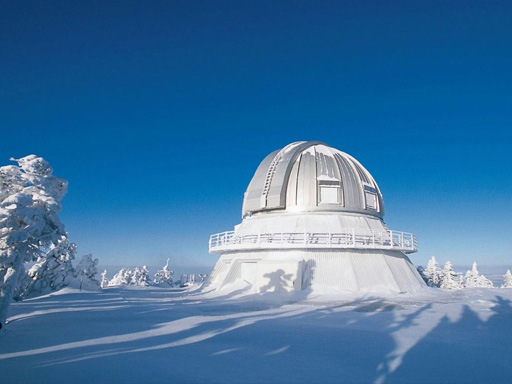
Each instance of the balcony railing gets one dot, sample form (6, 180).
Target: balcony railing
(350, 238)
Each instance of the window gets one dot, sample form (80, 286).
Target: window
(371, 200)
(329, 194)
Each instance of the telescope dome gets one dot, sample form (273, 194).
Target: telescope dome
(310, 176)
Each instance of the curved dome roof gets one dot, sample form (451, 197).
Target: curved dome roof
(311, 176)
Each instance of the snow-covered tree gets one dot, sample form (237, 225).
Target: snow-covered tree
(30, 200)
(472, 277)
(164, 276)
(104, 280)
(86, 272)
(119, 279)
(449, 278)
(507, 280)
(52, 271)
(475, 280)
(140, 277)
(431, 274)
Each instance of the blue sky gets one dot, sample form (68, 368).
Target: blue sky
(159, 112)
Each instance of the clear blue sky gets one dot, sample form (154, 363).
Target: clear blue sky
(159, 112)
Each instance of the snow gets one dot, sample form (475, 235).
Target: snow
(154, 334)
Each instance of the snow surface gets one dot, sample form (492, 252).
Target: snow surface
(150, 335)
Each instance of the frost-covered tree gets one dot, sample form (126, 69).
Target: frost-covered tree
(449, 278)
(86, 272)
(507, 280)
(432, 273)
(472, 276)
(53, 271)
(104, 279)
(30, 200)
(164, 276)
(140, 277)
(475, 280)
(119, 278)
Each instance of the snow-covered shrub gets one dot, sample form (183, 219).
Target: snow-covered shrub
(30, 200)
(432, 274)
(104, 280)
(475, 280)
(164, 276)
(140, 277)
(86, 272)
(137, 277)
(52, 271)
(120, 278)
(449, 278)
(507, 280)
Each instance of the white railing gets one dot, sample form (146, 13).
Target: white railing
(349, 238)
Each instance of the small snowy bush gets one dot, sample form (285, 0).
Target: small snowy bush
(507, 280)
(164, 276)
(120, 278)
(137, 277)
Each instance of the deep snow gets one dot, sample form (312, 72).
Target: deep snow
(150, 335)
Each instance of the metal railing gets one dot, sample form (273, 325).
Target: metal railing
(349, 238)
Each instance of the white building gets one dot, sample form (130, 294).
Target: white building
(312, 218)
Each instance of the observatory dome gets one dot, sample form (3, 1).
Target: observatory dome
(312, 176)
(313, 218)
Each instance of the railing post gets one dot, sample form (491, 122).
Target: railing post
(353, 237)
(391, 237)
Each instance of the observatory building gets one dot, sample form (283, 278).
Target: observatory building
(312, 219)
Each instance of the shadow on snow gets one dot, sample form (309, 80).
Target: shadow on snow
(152, 334)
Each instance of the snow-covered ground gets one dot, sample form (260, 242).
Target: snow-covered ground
(157, 335)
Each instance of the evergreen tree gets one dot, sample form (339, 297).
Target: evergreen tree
(53, 271)
(432, 274)
(30, 200)
(507, 280)
(449, 277)
(86, 272)
(119, 279)
(128, 277)
(475, 280)
(144, 277)
(140, 277)
(104, 280)
(164, 276)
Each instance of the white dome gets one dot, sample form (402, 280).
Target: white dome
(311, 176)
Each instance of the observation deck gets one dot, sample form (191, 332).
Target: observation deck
(351, 238)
